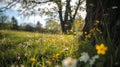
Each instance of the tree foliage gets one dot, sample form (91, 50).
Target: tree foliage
(52, 26)
(15, 23)
(3, 17)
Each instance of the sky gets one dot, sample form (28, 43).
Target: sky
(31, 19)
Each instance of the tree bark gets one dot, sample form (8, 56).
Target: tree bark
(107, 12)
(67, 20)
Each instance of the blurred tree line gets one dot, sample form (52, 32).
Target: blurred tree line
(12, 24)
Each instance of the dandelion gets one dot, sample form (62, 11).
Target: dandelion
(69, 62)
(32, 59)
(101, 49)
(84, 57)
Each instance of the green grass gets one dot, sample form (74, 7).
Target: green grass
(32, 49)
(17, 47)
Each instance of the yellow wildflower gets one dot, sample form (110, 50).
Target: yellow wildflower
(32, 59)
(56, 56)
(52, 40)
(67, 42)
(101, 49)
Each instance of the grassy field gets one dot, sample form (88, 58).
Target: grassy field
(32, 49)
(28, 49)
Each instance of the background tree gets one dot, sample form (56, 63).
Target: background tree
(39, 27)
(67, 20)
(3, 20)
(29, 28)
(52, 26)
(3, 17)
(66, 16)
(15, 23)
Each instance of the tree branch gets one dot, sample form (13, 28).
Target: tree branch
(9, 5)
(40, 2)
(59, 4)
(74, 15)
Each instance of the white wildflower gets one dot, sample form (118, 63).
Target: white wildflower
(95, 57)
(92, 61)
(69, 62)
(84, 57)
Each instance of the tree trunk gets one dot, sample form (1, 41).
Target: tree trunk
(67, 20)
(107, 12)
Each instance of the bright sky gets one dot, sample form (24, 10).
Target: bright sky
(32, 19)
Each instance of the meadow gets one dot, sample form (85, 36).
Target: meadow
(32, 49)
(35, 49)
